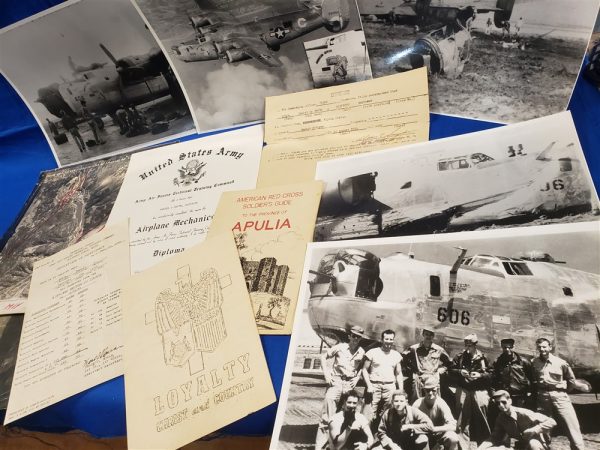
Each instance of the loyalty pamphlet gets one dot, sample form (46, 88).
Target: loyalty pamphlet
(171, 193)
(71, 338)
(271, 227)
(202, 364)
(304, 128)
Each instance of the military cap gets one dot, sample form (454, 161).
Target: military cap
(428, 331)
(507, 341)
(431, 383)
(471, 338)
(500, 393)
(358, 331)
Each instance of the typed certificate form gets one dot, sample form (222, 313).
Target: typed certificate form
(170, 194)
(71, 338)
(311, 126)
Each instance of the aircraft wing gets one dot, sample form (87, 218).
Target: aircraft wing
(256, 50)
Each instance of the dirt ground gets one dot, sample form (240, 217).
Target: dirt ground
(497, 84)
(305, 402)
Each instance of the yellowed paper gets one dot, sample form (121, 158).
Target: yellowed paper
(193, 358)
(72, 337)
(306, 127)
(271, 227)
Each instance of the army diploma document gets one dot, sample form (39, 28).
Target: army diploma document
(306, 127)
(271, 227)
(193, 357)
(72, 336)
(170, 193)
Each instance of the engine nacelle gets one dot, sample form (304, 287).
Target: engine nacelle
(235, 55)
(348, 193)
(223, 46)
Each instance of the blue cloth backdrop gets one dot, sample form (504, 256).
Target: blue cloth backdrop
(24, 152)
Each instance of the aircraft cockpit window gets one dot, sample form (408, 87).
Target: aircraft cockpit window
(316, 363)
(467, 261)
(568, 291)
(480, 262)
(463, 164)
(442, 165)
(516, 268)
(340, 267)
(307, 363)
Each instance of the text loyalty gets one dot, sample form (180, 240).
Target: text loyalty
(201, 384)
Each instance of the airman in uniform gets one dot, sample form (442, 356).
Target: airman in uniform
(471, 398)
(341, 378)
(552, 375)
(423, 361)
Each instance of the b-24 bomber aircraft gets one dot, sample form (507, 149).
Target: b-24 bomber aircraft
(103, 88)
(522, 297)
(256, 34)
(439, 196)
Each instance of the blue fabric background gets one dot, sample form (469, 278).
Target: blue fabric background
(24, 153)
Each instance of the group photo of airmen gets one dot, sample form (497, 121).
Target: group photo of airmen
(424, 398)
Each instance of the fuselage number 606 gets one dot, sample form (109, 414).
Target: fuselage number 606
(453, 315)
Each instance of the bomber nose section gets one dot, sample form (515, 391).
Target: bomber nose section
(330, 317)
(197, 52)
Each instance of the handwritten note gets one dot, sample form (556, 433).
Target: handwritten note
(306, 127)
(71, 338)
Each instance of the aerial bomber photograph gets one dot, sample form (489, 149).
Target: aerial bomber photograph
(497, 60)
(214, 45)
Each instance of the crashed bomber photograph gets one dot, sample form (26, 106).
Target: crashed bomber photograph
(220, 47)
(497, 60)
(474, 316)
(532, 173)
(96, 81)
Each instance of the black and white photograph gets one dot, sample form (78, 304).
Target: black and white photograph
(532, 173)
(68, 205)
(339, 59)
(220, 47)
(592, 69)
(450, 334)
(501, 61)
(95, 79)
(10, 332)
